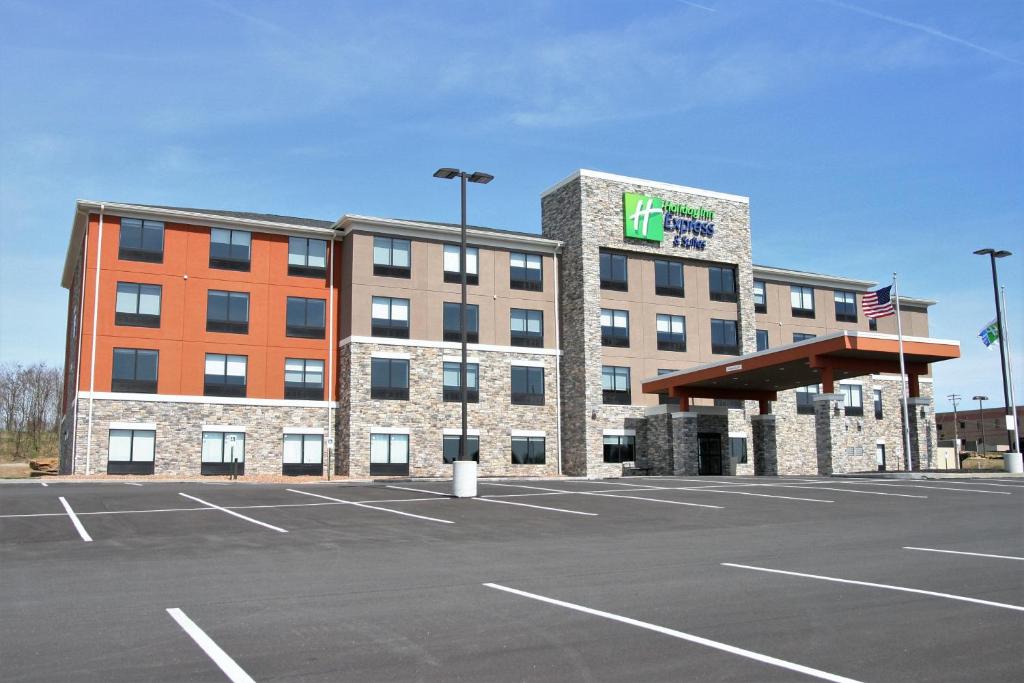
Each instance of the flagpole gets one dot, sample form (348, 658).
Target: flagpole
(903, 376)
(1009, 366)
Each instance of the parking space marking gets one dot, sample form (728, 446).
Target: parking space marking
(77, 522)
(235, 514)
(407, 488)
(922, 486)
(710, 489)
(539, 507)
(606, 495)
(904, 589)
(222, 659)
(829, 488)
(132, 483)
(374, 507)
(961, 552)
(706, 642)
(44, 483)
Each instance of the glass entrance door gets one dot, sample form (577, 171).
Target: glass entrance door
(709, 453)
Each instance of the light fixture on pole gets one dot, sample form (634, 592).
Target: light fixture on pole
(981, 421)
(463, 469)
(953, 398)
(1013, 457)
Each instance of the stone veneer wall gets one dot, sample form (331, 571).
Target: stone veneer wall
(426, 414)
(179, 436)
(342, 440)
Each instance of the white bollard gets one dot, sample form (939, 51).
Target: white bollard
(1012, 462)
(464, 478)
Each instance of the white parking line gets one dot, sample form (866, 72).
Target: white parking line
(373, 507)
(132, 483)
(407, 488)
(829, 488)
(222, 659)
(607, 495)
(961, 552)
(539, 507)
(922, 486)
(731, 649)
(903, 589)
(235, 514)
(709, 489)
(44, 483)
(77, 522)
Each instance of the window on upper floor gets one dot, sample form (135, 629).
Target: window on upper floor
(615, 388)
(453, 324)
(227, 312)
(668, 278)
(853, 399)
(230, 249)
(873, 324)
(724, 338)
(137, 305)
(525, 271)
(389, 378)
(846, 306)
(671, 331)
(391, 257)
(614, 327)
(614, 271)
(801, 300)
(306, 318)
(878, 403)
(805, 399)
(526, 327)
(304, 379)
(762, 340)
(141, 240)
(527, 386)
(225, 375)
(452, 271)
(135, 371)
(760, 297)
(802, 336)
(722, 283)
(389, 317)
(452, 382)
(307, 257)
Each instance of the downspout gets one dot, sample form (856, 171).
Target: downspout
(330, 364)
(558, 374)
(81, 330)
(92, 361)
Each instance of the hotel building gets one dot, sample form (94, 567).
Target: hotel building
(201, 341)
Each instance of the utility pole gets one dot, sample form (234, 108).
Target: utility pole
(956, 429)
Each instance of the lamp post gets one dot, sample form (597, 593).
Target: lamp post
(956, 429)
(1012, 458)
(463, 475)
(981, 411)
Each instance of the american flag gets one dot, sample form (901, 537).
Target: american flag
(878, 304)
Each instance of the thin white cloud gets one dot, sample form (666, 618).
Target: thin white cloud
(693, 4)
(922, 28)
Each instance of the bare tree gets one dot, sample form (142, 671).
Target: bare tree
(29, 403)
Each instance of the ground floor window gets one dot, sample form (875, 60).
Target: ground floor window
(805, 399)
(389, 454)
(880, 456)
(222, 451)
(619, 448)
(527, 450)
(738, 449)
(303, 454)
(450, 447)
(131, 451)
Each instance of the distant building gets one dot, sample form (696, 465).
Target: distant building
(967, 426)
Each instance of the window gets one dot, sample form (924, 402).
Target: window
(307, 257)
(878, 404)
(137, 305)
(303, 455)
(452, 380)
(452, 324)
(760, 297)
(389, 317)
(391, 257)
(131, 451)
(613, 272)
(802, 301)
(805, 399)
(802, 336)
(668, 278)
(452, 272)
(762, 340)
(671, 332)
(665, 399)
(525, 272)
(227, 312)
(135, 371)
(223, 453)
(846, 306)
(615, 385)
(304, 379)
(527, 327)
(141, 241)
(389, 378)
(963, 425)
(225, 375)
(527, 450)
(724, 339)
(733, 403)
(527, 386)
(722, 283)
(738, 449)
(853, 399)
(872, 324)
(229, 249)
(389, 454)
(619, 448)
(450, 447)
(614, 327)
(306, 318)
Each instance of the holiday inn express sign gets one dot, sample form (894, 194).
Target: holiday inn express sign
(648, 218)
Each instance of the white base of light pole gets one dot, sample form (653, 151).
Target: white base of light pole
(464, 478)
(1012, 462)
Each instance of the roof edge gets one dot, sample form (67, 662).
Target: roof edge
(349, 222)
(644, 181)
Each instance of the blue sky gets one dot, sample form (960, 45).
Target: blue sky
(871, 136)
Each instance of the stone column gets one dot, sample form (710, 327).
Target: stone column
(829, 431)
(766, 455)
(684, 443)
(922, 447)
(657, 451)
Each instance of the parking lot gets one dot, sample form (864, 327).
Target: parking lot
(652, 578)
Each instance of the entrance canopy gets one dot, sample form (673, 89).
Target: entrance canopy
(825, 360)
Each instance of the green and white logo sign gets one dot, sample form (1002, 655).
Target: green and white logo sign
(642, 217)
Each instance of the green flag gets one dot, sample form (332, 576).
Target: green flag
(990, 333)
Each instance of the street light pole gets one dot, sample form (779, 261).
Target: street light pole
(981, 411)
(1011, 422)
(956, 429)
